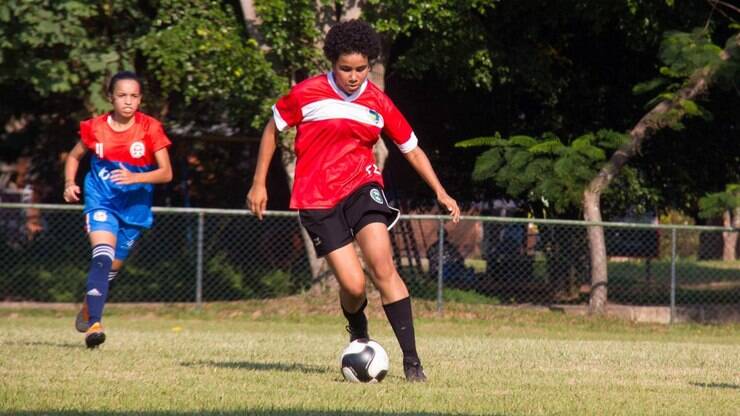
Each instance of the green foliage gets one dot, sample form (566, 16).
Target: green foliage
(687, 243)
(68, 47)
(200, 51)
(715, 204)
(449, 38)
(683, 54)
(546, 168)
(291, 31)
(277, 283)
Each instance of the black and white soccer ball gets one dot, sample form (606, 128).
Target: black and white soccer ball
(364, 361)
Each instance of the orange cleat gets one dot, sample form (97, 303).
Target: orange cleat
(94, 335)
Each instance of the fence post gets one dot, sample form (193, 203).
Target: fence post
(199, 262)
(673, 275)
(440, 264)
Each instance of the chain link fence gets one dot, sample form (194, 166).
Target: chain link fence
(201, 255)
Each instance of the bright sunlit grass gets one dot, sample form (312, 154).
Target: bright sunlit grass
(265, 359)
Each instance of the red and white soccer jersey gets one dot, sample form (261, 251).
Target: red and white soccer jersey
(335, 138)
(134, 149)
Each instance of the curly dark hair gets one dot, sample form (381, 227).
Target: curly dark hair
(352, 36)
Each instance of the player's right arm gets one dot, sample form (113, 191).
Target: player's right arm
(257, 196)
(71, 190)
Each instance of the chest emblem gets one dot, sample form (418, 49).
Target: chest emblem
(374, 117)
(137, 150)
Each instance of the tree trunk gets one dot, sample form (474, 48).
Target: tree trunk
(651, 122)
(597, 248)
(729, 238)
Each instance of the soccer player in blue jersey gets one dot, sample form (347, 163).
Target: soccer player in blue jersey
(129, 156)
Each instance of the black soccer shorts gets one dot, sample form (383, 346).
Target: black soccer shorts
(336, 227)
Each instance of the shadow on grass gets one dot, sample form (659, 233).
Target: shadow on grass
(248, 365)
(240, 412)
(716, 385)
(46, 344)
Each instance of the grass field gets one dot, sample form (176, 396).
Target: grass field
(281, 358)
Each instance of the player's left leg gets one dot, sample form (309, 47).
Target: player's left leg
(125, 241)
(83, 316)
(375, 243)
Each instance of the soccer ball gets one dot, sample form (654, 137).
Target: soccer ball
(364, 361)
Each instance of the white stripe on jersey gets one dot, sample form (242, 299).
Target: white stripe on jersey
(99, 149)
(409, 144)
(332, 109)
(279, 122)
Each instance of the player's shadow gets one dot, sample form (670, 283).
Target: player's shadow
(252, 412)
(46, 344)
(716, 385)
(250, 365)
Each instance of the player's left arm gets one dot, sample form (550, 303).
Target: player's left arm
(162, 174)
(420, 162)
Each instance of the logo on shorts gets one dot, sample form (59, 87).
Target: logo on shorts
(100, 216)
(137, 150)
(316, 241)
(130, 243)
(376, 196)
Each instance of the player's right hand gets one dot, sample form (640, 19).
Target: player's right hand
(72, 193)
(257, 200)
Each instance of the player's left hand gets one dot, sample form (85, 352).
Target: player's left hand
(451, 205)
(123, 176)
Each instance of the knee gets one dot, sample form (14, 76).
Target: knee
(384, 271)
(355, 289)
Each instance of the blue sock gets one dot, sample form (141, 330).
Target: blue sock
(97, 281)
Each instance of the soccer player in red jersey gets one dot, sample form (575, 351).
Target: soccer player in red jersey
(129, 156)
(338, 189)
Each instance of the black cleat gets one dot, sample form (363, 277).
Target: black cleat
(94, 336)
(414, 372)
(357, 333)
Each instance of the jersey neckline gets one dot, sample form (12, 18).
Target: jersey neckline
(343, 95)
(108, 118)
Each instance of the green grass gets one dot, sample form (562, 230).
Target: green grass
(281, 358)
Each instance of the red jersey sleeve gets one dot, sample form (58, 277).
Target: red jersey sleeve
(159, 139)
(287, 111)
(397, 128)
(86, 134)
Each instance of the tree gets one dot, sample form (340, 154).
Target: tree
(692, 62)
(201, 73)
(726, 205)
(684, 53)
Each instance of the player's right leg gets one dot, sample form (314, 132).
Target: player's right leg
(332, 239)
(102, 229)
(351, 278)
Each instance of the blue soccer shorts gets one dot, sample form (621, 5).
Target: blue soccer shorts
(105, 220)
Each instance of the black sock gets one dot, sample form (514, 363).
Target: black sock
(399, 316)
(357, 320)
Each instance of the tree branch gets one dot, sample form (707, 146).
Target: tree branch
(655, 119)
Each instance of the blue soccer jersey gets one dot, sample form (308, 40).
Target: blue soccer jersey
(133, 149)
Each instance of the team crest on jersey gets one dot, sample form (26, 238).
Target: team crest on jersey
(374, 116)
(376, 196)
(136, 150)
(100, 216)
